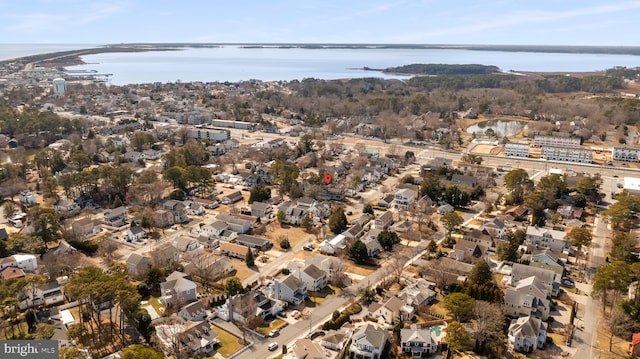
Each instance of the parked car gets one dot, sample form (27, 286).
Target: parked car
(272, 346)
(568, 283)
(274, 333)
(308, 248)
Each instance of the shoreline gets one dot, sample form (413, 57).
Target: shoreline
(74, 57)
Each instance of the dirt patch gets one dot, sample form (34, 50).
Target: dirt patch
(483, 149)
(351, 267)
(295, 234)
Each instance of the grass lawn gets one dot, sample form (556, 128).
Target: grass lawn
(155, 303)
(558, 339)
(242, 271)
(364, 271)
(294, 234)
(274, 324)
(438, 308)
(229, 343)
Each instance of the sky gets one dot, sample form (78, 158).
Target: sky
(493, 22)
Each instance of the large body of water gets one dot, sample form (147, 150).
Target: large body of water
(237, 63)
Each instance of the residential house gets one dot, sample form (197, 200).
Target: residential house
(464, 180)
(293, 214)
(306, 349)
(261, 210)
(232, 197)
(66, 208)
(135, 234)
(163, 218)
(468, 251)
(354, 232)
(320, 211)
(194, 312)
(236, 223)
(331, 265)
(86, 227)
(478, 236)
(11, 272)
(548, 260)
(517, 212)
(389, 311)
(178, 209)
(28, 198)
(115, 218)
(334, 245)
(334, 339)
(165, 255)
(548, 279)
(384, 220)
(371, 242)
(315, 278)
(529, 297)
(178, 288)
(194, 208)
(546, 238)
(368, 342)
(417, 292)
(418, 342)
(186, 244)
(386, 201)
(26, 262)
(261, 244)
(527, 334)
(214, 266)
(444, 209)
(48, 294)
(404, 197)
(496, 228)
(213, 229)
(248, 305)
(138, 265)
(570, 212)
(199, 339)
(306, 202)
(290, 289)
(234, 250)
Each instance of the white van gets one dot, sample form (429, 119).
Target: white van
(273, 346)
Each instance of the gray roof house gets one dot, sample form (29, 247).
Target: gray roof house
(418, 341)
(368, 342)
(178, 288)
(548, 279)
(290, 289)
(262, 244)
(137, 264)
(527, 334)
(529, 297)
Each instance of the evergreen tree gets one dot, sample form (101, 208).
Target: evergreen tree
(249, 259)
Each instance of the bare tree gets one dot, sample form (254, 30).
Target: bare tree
(488, 320)
(396, 265)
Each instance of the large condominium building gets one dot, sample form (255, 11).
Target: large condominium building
(516, 150)
(556, 141)
(210, 134)
(566, 154)
(625, 154)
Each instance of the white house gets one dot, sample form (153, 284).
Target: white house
(527, 334)
(290, 289)
(135, 234)
(368, 342)
(549, 280)
(528, 298)
(418, 341)
(194, 312)
(26, 262)
(546, 238)
(389, 311)
(314, 277)
(404, 197)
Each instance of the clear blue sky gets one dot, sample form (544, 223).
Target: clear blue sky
(540, 22)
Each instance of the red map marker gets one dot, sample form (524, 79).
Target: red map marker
(327, 178)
